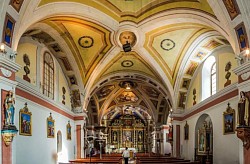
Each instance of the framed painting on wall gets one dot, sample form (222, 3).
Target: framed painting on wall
(50, 127)
(25, 121)
(68, 127)
(228, 120)
(232, 8)
(16, 4)
(9, 25)
(242, 36)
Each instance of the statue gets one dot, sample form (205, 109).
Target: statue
(9, 109)
(243, 110)
(115, 136)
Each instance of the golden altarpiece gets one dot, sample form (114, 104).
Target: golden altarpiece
(127, 131)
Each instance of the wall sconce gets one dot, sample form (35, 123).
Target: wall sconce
(243, 56)
(2, 49)
(247, 54)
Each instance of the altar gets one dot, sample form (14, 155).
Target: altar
(127, 131)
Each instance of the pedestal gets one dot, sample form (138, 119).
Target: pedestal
(243, 133)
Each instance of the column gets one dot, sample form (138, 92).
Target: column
(165, 145)
(80, 138)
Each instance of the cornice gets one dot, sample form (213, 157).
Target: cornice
(9, 64)
(34, 92)
(221, 93)
(245, 67)
(6, 81)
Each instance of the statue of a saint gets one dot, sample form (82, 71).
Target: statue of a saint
(243, 110)
(115, 136)
(9, 109)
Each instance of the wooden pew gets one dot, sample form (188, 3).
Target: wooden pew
(114, 160)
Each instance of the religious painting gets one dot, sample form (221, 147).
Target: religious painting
(201, 141)
(211, 45)
(105, 91)
(228, 120)
(25, 123)
(186, 83)
(128, 97)
(191, 68)
(50, 127)
(242, 36)
(72, 80)
(151, 92)
(8, 30)
(16, 4)
(68, 127)
(186, 131)
(76, 98)
(200, 55)
(182, 99)
(127, 136)
(232, 8)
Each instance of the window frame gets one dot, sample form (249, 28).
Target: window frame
(213, 75)
(50, 74)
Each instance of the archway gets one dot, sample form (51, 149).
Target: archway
(204, 139)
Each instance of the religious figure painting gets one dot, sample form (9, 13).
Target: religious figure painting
(50, 127)
(232, 8)
(25, 121)
(16, 4)
(68, 127)
(229, 120)
(191, 68)
(242, 36)
(8, 30)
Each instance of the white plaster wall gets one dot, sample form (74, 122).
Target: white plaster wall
(38, 148)
(226, 148)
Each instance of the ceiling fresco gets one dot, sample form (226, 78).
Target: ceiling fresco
(164, 56)
(87, 41)
(138, 10)
(165, 45)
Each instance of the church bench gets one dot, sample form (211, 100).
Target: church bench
(96, 160)
(163, 161)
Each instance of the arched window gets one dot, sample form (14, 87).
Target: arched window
(48, 76)
(209, 77)
(213, 79)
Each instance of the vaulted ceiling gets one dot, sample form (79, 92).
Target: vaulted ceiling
(169, 39)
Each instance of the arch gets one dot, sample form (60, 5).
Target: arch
(204, 135)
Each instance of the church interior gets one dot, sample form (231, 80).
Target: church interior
(82, 80)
